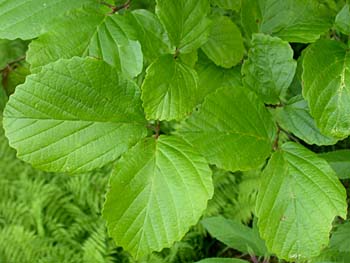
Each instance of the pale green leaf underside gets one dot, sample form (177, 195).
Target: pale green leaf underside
(340, 239)
(169, 90)
(300, 21)
(295, 118)
(98, 35)
(340, 162)
(226, 134)
(157, 191)
(222, 260)
(299, 197)
(225, 44)
(75, 115)
(342, 20)
(270, 68)
(326, 80)
(186, 22)
(27, 19)
(235, 235)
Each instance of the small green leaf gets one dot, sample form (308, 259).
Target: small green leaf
(340, 162)
(212, 77)
(340, 238)
(235, 235)
(222, 260)
(169, 89)
(342, 20)
(270, 68)
(300, 21)
(150, 33)
(226, 135)
(107, 37)
(225, 44)
(186, 22)
(228, 4)
(158, 190)
(326, 86)
(299, 198)
(27, 19)
(295, 118)
(75, 115)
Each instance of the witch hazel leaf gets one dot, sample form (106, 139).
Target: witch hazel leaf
(108, 37)
(169, 91)
(299, 197)
(158, 190)
(186, 22)
(75, 115)
(226, 135)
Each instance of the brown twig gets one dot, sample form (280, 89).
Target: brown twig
(275, 143)
(115, 9)
(157, 130)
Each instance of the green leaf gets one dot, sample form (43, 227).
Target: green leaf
(326, 80)
(222, 260)
(270, 68)
(295, 118)
(228, 4)
(299, 197)
(75, 115)
(98, 35)
(342, 20)
(186, 22)
(16, 77)
(226, 135)
(300, 21)
(340, 162)
(11, 50)
(27, 19)
(340, 238)
(225, 44)
(158, 190)
(235, 235)
(169, 89)
(212, 77)
(150, 33)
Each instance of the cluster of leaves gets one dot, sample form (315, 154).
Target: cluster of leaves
(225, 83)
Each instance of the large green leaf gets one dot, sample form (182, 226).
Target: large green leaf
(150, 33)
(326, 80)
(75, 115)
(299, 197)
(340, 162)
(186, 22)
(226, 134)
(270, 68)
(225, 44)
(292, 20)
(157, 191)
(295, 118)
(340, 239)
(27, 19)
(169, 90)
(342, 20)
(235, 235)
(102, 36)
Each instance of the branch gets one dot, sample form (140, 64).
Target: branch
(115, 9)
